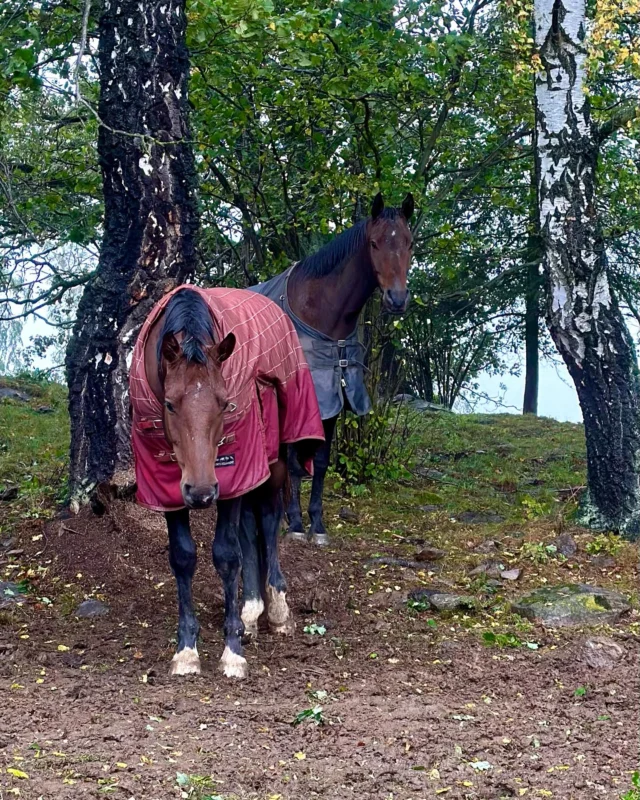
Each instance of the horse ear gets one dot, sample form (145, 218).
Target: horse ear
(223, 350)
(170, 348)
(407, 206)
(377, 207)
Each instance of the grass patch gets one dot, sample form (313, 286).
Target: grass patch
(633, 794)
(34, 446)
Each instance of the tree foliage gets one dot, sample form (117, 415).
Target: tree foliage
(300, 112)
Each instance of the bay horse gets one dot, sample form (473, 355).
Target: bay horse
(324, 295)
(218, 383)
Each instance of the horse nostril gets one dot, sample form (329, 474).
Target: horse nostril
(394, 300)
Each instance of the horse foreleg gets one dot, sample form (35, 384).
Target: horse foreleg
(227, 559)
(317, 532)
(252, 602)
(269, 510)
(296, 529)
(182, 558)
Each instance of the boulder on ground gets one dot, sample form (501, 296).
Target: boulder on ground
(572, 605)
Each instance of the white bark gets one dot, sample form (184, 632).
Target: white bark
(584, 319)
(566, 171)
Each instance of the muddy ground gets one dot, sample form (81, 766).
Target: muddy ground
(412, 706)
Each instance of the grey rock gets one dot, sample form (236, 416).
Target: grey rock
(10, 493)
(603, 561)
(429, 509)
(430, 474)
(480, 518)
(348, 515)
(11, 594)
(488, 546)
(13, 394)
(511, 574)
(572, 605)
(443, 601)
(45, 410)
(566, 545)
(492, 569)
(601, 652)
(91, 608)
(430, 553)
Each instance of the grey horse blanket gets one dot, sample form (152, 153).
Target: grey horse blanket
(337, 366)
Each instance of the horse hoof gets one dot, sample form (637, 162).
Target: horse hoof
(295, 536)
(320, 539)
(279, 613)
(251, 612)
(233, 665)
(286, 628)
(186, 662)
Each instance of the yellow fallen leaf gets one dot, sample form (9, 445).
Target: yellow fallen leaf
(17, 773)
(15, 686)
(522, 791)
(467, 783)
(300, 755)
(121, 765)
(442, 791)
(62, 648)
(434, 774)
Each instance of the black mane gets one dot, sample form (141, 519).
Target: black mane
(332, 255)
(188, 313)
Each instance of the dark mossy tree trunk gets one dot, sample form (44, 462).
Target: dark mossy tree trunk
(532, 340)
(149, 226)
(584, 318)
(532, 311)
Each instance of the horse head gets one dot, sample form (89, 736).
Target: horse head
(390, 245)
(195, 394)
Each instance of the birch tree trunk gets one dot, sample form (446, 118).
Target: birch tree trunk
(584, 318)
(149, 227)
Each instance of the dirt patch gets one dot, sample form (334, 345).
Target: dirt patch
(410, 710)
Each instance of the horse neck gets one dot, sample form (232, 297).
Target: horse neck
(332, 304)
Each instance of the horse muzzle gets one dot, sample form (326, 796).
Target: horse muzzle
(200, 496)
(395, 301)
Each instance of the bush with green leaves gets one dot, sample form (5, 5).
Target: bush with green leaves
(378, 446)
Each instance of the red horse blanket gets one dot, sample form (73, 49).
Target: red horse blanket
(271, 400)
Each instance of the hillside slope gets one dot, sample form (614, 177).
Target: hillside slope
(415, 701)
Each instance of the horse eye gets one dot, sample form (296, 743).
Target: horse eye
(374, 245)
(169, 407)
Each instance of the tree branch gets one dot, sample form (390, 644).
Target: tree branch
(627, 112)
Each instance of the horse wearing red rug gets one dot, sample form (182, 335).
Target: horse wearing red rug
(219, 385)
